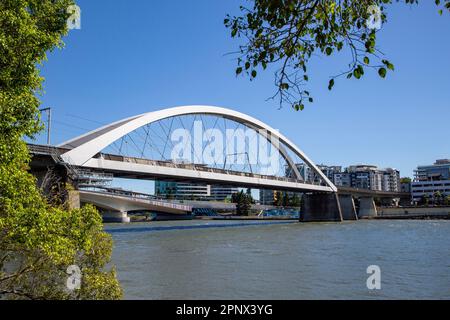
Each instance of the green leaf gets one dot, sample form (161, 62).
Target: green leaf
(382, 72)
(299, 106)
(328, 51)
(254, 73)
(37, 230)
(238, 70)
(366, 60)
(361, 70)
(331, 84)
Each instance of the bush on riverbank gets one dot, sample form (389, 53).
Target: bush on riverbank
(38, 242)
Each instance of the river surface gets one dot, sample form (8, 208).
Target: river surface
(232, 260)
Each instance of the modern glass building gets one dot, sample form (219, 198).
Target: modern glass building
(191, 191)
(220, 193)
(180, 191)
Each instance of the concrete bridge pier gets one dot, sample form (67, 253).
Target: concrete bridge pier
(348, 207)
(367, 207)
(115, 216)
(321, 207)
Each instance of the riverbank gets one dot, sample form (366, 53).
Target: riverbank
(414, 213)
(397, 213)
(246, 218)
(142, 218)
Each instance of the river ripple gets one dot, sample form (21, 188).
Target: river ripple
(185, 260)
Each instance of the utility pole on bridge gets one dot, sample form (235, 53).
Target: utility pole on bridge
(49, 121)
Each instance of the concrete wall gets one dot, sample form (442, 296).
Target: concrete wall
(444, 211)
(348, 207)
(367, 208)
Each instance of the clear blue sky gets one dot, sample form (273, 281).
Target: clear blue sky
(137, 56)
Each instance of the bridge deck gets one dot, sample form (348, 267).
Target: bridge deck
(373, 193)
(139, 168)
(125, 203)
(130, 167)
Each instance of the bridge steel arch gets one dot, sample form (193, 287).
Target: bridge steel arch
(85, 147)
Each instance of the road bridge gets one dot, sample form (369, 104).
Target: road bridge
(142, 147)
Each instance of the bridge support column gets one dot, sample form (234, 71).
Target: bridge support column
(321, 207)
(367, 207)
(115, 216)
(348, 207)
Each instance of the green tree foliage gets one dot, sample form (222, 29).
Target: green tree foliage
(405, 180)
(278, 197)
(287, 33)
(282, 199)
(447, 200)
(38, 242)
(438, 198)
(424, 200)
(286, 200)
(243, 202)
(295, 201)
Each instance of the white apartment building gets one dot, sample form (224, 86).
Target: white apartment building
(431, 179)
(369, 177)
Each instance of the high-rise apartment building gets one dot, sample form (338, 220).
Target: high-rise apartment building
(369, 177)
(431, 179)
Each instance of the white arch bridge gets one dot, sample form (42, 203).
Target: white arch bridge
(143, 146)
(86, 151)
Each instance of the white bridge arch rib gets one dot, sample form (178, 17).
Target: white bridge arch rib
(85, 147)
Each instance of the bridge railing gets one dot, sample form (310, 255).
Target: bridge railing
(140, 197)
(190, 166)
(50, 150)
(44, 149)
(87, 174)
